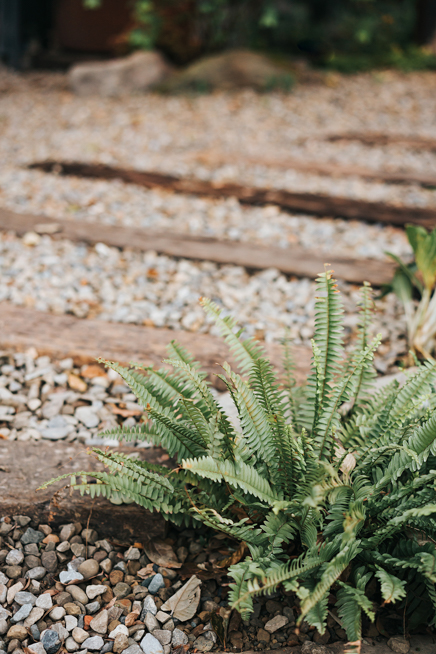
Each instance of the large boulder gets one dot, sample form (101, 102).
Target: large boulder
(136, 73)
(234, 69)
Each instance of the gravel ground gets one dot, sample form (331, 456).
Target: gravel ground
(165, 133)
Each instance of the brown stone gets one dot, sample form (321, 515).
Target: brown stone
(263, 636)
(116, 576)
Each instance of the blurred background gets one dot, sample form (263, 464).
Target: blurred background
(348, 35)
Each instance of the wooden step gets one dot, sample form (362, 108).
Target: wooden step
(308, 203)
(294, 260)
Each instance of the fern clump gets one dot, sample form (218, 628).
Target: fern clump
(337, 472)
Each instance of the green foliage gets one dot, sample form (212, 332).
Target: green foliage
(418, 280)
(342, 474)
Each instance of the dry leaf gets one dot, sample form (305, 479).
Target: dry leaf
(131, 618)
(162, 554)
(125, 413)
(183, 605)
(234, 558)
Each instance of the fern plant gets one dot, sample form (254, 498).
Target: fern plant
(343, 472)
(418, 279)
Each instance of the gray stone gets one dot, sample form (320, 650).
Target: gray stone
(44, 601)
(93, 591)
(121, 643)
(289, 613)
(132, 554)
(107, 647)
(151, 645)
(89, 536)
(87, 416)
(60, 630)
(35, 633)
(37, 648)
(15, 557)
(31, 536)
(276, 623)
(163, 636)
(51, 641)
(119, 629)
(92, 607)
(148, 606)
(135, 73)
(100, 622)
(3, 626)
(150, 622)
(57, 427)
(93, 643)
(36, 573)
(133, 649)
(399, 644)
(75, 564)
(67, 530)
(50, 561)
(156, 584)
(22, 597)
(179, 638)
(71, 645)
(22, 613)
(89, 568)
(70, 622)
(78, 549)
(70, 575)
(3, 579)
(203, 644)
(121, 590)
(3, 593)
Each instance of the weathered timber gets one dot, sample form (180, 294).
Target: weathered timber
(293, 260)
(382, 138)
(309, 203)
(25, 466)
(328, 169)
(86, 339)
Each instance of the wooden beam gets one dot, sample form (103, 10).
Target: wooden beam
(25, 466)
(293, 260)
(87, 339)
(382, 138)
(329, 169)
(309, 203)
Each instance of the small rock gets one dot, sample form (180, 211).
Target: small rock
(79, 635)
(3, 626)
(3, 593)
(162, 617)
(150, 622)
(94, 643)
(399, 644)
(89, 568)
(156, 584)
(276, 623)
(31, 536)
(121, 590)
(100, 622)
(151, 645)
(72, 609)
(36, 573)
(70, 575)
(203, 644)
(24, 598)
(22, 613)
(95, 590)
(119, 629)
(71, 645)
(132, 554)
(49, 561)
(44, 601)
(179, 638)
(34, 616)
(133, 649)
(78, 594)
(70, 622)
(57, 613)
(15, 557)
(312, 648)
(92, 607)
(13, 590)
(148, 606)
(263, 636)
(89, 536)
(37, 648)
(121, 643)
(87, 416)
(14, 571)
(163, 636)
(60, 630)
(18, 632)
(289, 613)
(51, 641)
